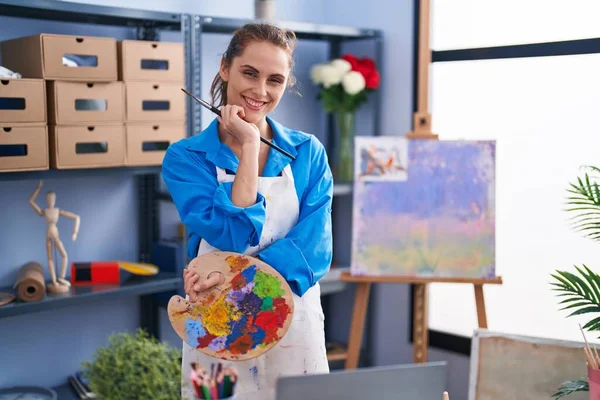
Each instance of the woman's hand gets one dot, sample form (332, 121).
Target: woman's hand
(232, 121)
(194, 286)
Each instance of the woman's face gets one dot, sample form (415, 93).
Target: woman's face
(256, 80)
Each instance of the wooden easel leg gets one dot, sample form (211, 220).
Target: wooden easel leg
(420, 324)
(480, 303)
(361, 299)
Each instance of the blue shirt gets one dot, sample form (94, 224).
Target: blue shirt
(304, 255)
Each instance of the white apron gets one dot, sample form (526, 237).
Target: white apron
(302, 349)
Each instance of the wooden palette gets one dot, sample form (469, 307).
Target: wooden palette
(239, 319)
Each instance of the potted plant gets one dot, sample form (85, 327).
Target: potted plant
(579, 290)
(344, 85)
(135, 366)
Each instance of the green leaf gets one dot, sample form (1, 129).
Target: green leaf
(586, 310)
(578, 282)
(592, 324)
(575, 305)
(569, 387)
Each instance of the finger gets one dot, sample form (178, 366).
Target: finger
(191, 278)
(212, 280)
(227, 115)
(240, 111)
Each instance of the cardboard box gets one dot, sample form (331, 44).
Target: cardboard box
(147, 101)
(88, 103)
(23, 147)
(22, 100)
(141, 60)
(80, 146)
(147, 144)
(49, 56)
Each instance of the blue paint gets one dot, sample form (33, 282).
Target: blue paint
(193, 330)
(237, 329)
(254, 372)
(257, 337)
(249, 273)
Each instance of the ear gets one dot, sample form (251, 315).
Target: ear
(224, 71)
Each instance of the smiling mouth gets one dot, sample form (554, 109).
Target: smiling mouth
(253, 104)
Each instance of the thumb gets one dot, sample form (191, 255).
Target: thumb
(241, 112)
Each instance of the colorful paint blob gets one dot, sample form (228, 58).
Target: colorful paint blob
(247, 315)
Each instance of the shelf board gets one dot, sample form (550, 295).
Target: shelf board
(331, 283)
(340, 189)
(134, 286)
(77, 173)
(64, 11)
(303, 30)
(337, 353)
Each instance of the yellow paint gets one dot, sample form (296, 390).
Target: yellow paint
(237, 263)
(218, 316)
(138, 268)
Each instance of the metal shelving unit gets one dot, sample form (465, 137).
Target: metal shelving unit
(147, 24)
(79, 295)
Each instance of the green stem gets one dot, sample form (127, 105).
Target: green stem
(345, 164)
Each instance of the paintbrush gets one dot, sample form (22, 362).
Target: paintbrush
(218, 112)
(590, 355)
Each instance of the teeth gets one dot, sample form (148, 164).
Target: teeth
(254, 103)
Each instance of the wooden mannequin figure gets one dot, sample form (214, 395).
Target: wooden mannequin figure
(51, 214)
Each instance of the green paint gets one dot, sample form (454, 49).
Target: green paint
(267, 304)
(267, 286)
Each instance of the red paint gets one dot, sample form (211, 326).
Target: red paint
(267, 320)
(205, 340)
(250, 327)
(238, 282)
(282, 310)
(242, 345)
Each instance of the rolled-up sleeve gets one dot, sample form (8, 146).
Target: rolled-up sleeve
(205, 206)
(304, 255)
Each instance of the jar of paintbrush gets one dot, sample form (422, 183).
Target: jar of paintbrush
(218, 384)
(593, 368)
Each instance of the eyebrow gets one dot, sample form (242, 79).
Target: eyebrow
(255, 70)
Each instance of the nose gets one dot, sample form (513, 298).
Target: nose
(260, 90)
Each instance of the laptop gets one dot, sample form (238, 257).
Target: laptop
(426, 381)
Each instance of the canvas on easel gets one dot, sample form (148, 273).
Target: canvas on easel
(423, 208)
(424, 212)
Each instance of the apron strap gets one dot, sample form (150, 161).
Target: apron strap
(221, 174)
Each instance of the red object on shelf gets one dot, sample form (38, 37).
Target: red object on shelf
(95, 272)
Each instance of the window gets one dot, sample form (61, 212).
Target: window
(458, 24)
(542, 111)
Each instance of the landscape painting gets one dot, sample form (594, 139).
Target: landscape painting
(438, 222)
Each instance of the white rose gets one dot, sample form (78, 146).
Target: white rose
(342, 65)
(330, 75)
(316, 75)
(353, 82)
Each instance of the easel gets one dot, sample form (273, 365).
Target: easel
(420, 310)
(422, 130)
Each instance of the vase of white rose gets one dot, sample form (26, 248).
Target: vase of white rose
(345, 83)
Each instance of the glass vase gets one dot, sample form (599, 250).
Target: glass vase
(344, 167)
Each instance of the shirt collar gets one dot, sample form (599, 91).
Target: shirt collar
(221, 155)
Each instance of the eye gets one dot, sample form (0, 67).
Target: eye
(276, 80)
(250, 73)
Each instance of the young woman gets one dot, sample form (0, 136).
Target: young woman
(235, 193)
